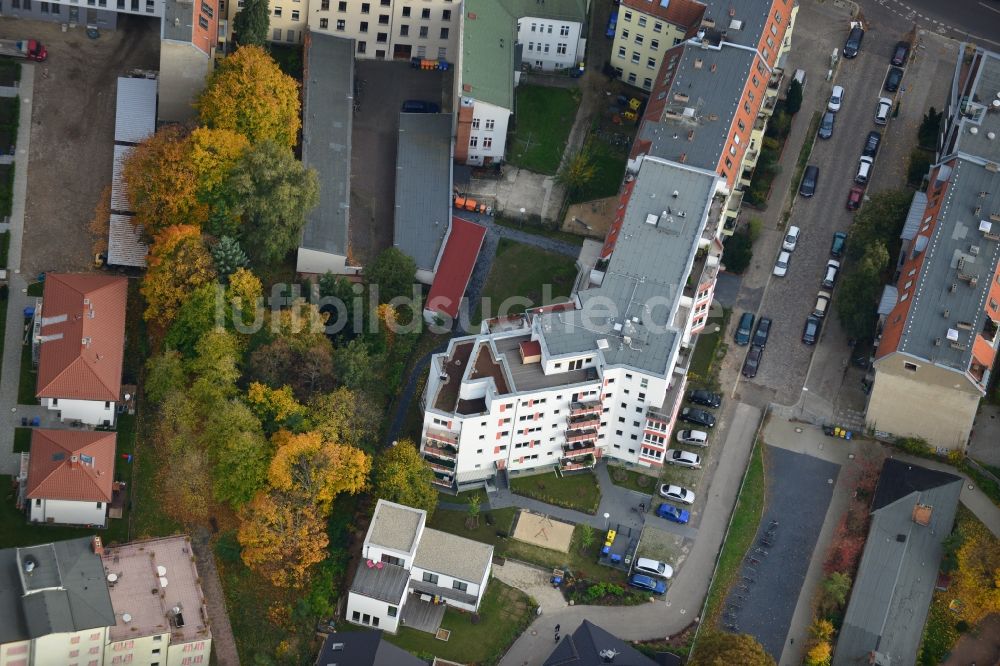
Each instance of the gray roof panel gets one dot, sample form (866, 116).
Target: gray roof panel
(125, 244)
(914, 217)
(387, 584)
(135, 114)
(119, 196)
(452, 555)
(743, 21)
(423, 189)
(395, 526)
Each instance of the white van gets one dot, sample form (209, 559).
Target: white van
(644, 565)
(693, 437)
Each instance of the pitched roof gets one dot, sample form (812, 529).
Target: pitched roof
(71, 465)
(455, 267)
(452, 555)
(386, 584)
(898, 479)
(125, 244)
(363, 648)
(684, 13)
(65, 590)
(584, 647)
(83, 336)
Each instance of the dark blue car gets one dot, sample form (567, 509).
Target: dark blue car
(612, 25)
(673, 514)
(647, 583)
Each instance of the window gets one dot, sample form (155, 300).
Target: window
(473, 142)
(389, 559)
(639, 39)
(621, 51)
(628, 16)
(460, 586)
(277, 12)
(276, 37)
(912, 367)
(382, 38)
(44, 6)
(100, 505)
(657, 27)
(651, 63)
(423, 32)
(341, 6)
(366, 7)
(38, 502)
(430, 578)
(206, 9)
(404, 30)
(444, 33)
(364, 26)
(406, 12)
(647, 83)
(295, 15)
(445, 14)
(531, 46)
(362, 46)
(442, 53)
(490, 124)
(631, 77)
(654, 44)
(635, 58)
(624, 34)
(425, 13)
(487, 142)
(560, 49)
(383, 19)
(340, 26)
(534, 27)
(564, 31)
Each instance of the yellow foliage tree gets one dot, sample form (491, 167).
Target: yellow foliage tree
(282, 538)
(245, 289)
(179, 262)
(819, 654)
(387, 316)
(821, 630)
(977, 580)
(273, 405)
(307, 466)
(249, 94)
(213, 154)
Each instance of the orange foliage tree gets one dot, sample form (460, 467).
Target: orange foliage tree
(178, 263)
(282, 538)
(977, 580)
(317, 470)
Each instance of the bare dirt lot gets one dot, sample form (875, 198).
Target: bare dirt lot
(72, 133)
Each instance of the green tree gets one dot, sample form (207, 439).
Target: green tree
(793, 100)
(195, 317)
(272, 192)
(859, 291)
(228, 256)
(354, 366)
(164, 375)
(400, 475)
(920, 163)
(586, 537)
(252, 23)
(929, 128)
(835, 589)
(738, 252)
(339, 289)
(577, 172)
(240, 452)
(881, 219)
(716, 648)
(393, 273)
(473, 521)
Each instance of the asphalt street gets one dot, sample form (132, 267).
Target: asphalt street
(963, 20)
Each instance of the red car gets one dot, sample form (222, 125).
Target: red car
(854, 197)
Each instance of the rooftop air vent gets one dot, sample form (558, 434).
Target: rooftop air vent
(973, 130)
(652, 219)
(901, 538)
(952, 335)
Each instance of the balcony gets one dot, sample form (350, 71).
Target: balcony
(446, 467)
(584, 408)
(444, 482)
(989, 332)
(445, 453)
(568, 465)
(574, 450)
(449, 438)
(582, 422)
(584, 436)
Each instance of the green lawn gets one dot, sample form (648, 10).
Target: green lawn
(26, 384)
(576, 491)
(705, 351)
(22, 440)
(36, 288)
(540, 230)
(454, 522)
(503, 615)
(637, 481)
(4, 248)
(543, 118)
(742, 529)
(609, 162)
(3, 320)
(532, 275)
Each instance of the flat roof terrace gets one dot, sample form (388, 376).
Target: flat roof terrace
(530, 376)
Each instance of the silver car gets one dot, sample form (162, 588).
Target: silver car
(676, 494)
(682, 458)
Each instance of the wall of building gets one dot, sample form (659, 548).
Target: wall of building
(640, 42)
(80, 647)
(374, 552)
(185, 654)
(931, 409)
(358, 607)
(316, 261)
(140, 650)
(549, 44)
(93, 412)
(68, 512)
(486, 146)
(447, 583)
(65, 12)
(183, 71)
(15, 654)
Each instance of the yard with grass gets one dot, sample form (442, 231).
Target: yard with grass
(539, 229)
(706, 351)
(503, 615)
(535, 276)
(742, 529)
(22, 440)
(26, 383)
(543, 118)
(579, 492)
(609, 169)
(633, 480)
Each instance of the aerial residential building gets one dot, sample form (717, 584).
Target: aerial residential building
(601, 375)
(498, 37)
(363, 648)
(79, 341)
(645, 30)
(938, 338)
(407, 564)
(590, 645)
(912, 513)
(70, 476)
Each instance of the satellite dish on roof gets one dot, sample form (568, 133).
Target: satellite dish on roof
(112, 578)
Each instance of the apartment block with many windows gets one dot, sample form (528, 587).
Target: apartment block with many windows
(644, 33)
(601, 375)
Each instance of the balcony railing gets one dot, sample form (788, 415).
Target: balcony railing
(440, 466)
(571, 464)
(443, 437)
(448, 453)
(587, 421)
(587, 435)
(584, 408)
(446, 483)
(572, 451)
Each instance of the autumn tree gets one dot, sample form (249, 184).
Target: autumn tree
(240, 453)
(274, 407)
(977, 580)
(251, 23)
(249, 94)
(178, 264)
(244, 296)
(578, 172)
(306, 466)
(392, 273)
(164, 375)
(212, 155)
(401, 475)
(716, 648)
(271, 193)
(298, 355)
(346, 416)
(162, 183)
(282, 538)
(819, 648)
(183, 479)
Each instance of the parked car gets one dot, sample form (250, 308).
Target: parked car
(838, 244)
(810, 332)
(901, 54)
(644, 582)
(743, 329)
(836, 99)
(693, 437)
(705, 398)
(612, 25)
(854, 197)
(893, 79)
(791, 238)
(682, 458)
(864, 170)
(872, 142)
(853, 43)
(752, 362)
(673, 514)
(883, 110)
(830, 277)
(419, 106)
(826, 125)
(781, 265)
(763, 330)
(809, 181)
(697, 416)
(677, 494)
(650, 567)
(822, 304)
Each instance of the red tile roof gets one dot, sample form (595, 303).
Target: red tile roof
(685, 13)
(76, 465)
(83, 329)
(455, 268)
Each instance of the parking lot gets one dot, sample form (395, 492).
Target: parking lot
(72, 133)
(383, 86)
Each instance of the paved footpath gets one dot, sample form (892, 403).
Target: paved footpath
(686, 595)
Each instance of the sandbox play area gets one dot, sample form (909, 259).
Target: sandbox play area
(543, 531)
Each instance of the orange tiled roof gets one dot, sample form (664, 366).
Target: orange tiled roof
(82, 356)
(75, 465)
(685, 13)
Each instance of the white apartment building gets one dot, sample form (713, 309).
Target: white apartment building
(550, 44)
(601, 375)
(407, 564)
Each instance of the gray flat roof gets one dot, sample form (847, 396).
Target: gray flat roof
(453, 556)
(423, 186)
(386, 584)
(65, 591)
(395, 526)
(177, 20)
(956, 251)
(914, 217)
(530, 376)
(646, 274)
(135, 109)
(119, 196)
(895, 580)
(695, 129)
(327, 114)
(742, 20)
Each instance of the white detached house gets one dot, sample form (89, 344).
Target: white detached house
(70, 476)
(406, 562)
(80, 338)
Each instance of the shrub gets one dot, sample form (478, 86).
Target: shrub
(920, 162)
(914, 446)
(738, 252)
(793, 100)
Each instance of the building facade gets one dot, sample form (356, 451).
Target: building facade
(103, 14)
(550, 44)
(645, 31)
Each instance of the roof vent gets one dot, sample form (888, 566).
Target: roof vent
(698, 62)
(953, 334)
(985, 226)
(675, 194)
(29, 564)
(937, 342)
(974, 250)
(946, 313)
(126, 618)
(736, 24)
(991, 135)
(901, 538)
(602, 343)
(973, 130)
(652, 218)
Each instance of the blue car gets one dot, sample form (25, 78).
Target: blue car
(648, 583)
(612, 25)
(673, 514)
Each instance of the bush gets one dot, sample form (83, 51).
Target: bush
(793, 100)
(738, 252)
(920, 162)
(754, 228)
(914, 446)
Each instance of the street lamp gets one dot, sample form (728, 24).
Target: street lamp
(607, 521)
